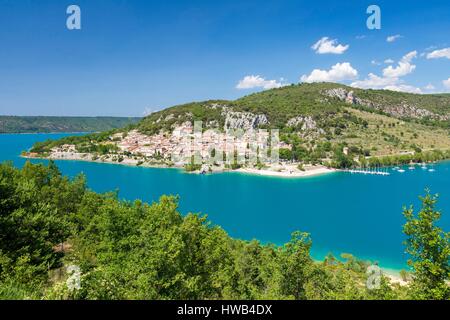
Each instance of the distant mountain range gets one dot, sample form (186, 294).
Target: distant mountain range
(45, 124)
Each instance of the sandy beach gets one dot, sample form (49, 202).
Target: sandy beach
(74, 156)
(288, 171)
(282, 170)
(394, 277)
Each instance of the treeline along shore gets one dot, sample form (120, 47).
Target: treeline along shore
(55, 124)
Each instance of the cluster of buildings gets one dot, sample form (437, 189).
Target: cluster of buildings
(189, 142)
(64, 148)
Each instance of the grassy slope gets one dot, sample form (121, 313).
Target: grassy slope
(437, 103)
(386, 135)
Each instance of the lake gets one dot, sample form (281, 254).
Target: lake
(358, 214)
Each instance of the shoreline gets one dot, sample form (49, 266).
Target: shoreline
(393, 275)
(282, 171)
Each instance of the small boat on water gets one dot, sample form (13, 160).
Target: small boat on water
(401, 170)
(411, 168)
(431, 170)
(363, 171)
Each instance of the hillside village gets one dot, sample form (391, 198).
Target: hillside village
(183, 146)
(292, 129)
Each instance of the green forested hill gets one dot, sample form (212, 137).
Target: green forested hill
(43, 124)
(315, 100)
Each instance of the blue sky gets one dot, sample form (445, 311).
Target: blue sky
(136, 56)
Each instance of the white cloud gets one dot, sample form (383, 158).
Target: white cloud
(403, 68)
(429, 87)
(375, 82)
(250, 82)
(360, 37)
(338, 72)
(389, 61)
(391, 76)
(446, 83)
(403, 88)
(326, 45)
(375, 62)
(393, 38)
(443, 53)
(409, 56)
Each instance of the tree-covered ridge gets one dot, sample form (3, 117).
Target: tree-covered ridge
(135, 250)
(205, 111)
(282, 104)
(437, 103)
(44, 124)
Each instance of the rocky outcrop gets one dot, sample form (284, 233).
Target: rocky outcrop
(339, 93)
(401, 110)
(243, 120)
(307, 126)
(231, 119)
(169, 117)
(303, 123)
(405, 110)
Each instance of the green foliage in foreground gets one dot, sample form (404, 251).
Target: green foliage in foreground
(429, 248)
(135, 250)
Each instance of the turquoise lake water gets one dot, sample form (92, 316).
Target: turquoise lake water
(356, 214)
